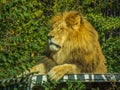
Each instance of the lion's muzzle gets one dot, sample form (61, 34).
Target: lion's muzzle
(53, 46)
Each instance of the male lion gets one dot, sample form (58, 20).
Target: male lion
(74, 48)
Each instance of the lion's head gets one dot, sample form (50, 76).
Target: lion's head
(70, 28)
(74, 40)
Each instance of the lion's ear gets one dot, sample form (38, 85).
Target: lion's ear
(73, 18)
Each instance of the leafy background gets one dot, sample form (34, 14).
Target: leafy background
(24, 25)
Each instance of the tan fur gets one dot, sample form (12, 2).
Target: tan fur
(76, 49)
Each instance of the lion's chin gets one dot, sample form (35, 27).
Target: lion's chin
(53, 47)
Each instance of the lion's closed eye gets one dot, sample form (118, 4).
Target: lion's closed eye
(61, 28)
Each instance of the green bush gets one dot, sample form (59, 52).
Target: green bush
(53, 85)
(111, 49)
(23, 35)
(24, 25)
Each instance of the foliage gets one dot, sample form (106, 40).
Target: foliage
(68, 85)
(25, 24)
(111, 48)
(23, 34)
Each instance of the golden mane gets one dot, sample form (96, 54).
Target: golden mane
(82, 45)
(74, 46)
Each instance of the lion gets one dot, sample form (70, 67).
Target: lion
(73, 48)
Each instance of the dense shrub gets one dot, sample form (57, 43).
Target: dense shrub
(53, 85)
(22, 35)
(24, 25)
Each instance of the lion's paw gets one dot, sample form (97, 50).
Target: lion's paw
(57, 72)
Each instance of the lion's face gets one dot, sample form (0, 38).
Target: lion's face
(63, 26)
(58, 35)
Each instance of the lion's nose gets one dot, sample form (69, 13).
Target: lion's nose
(50, 37)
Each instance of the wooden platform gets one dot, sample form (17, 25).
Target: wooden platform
(28, 82)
